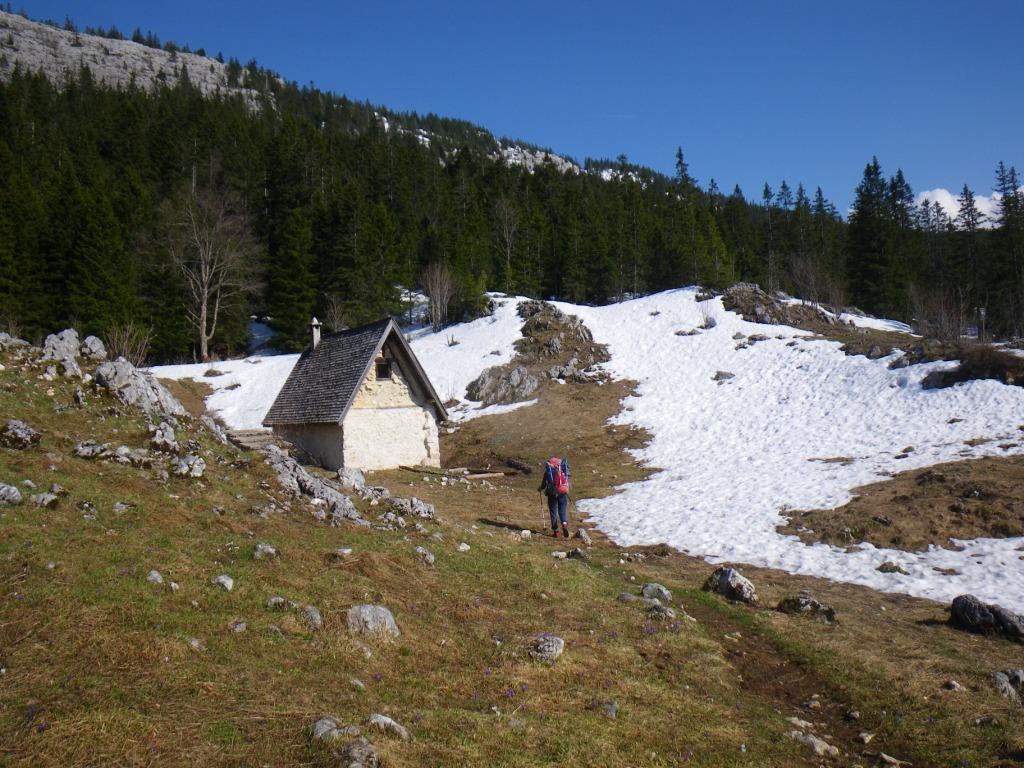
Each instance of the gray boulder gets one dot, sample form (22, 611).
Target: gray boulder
(351, 479)
(9, 495)
(19, 435)
(584, 536)
(62, 349)
(328, 729)
(189, 465)
(547, 648)
(386, 725)
(1010, 683)
(804, 604)
(968, 612)
(163, 439)
(138, 388)
(731, 585)
(295, 479)
(90, 449)
(655, 591)
(502, 384)
(372, 620)
(93, 349)
(313, 618)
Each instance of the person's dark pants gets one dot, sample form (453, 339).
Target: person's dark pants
(558, 505)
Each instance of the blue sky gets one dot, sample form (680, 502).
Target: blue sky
(752, 91)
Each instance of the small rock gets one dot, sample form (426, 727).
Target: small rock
(559, 555)
(425, 556)
(723, 376)
(584, 536)
(9, 495)
(953, 685)
(890, 567)
(58, 490)
(372, 620)
(312, 616)
(1010, 683)
(386, 725)
(45, 501)
(661, 613)
(547, 648)
(463, 547)
(852, 715)
(155, 577)
(525, 534)
(864, 737)
(196, 644)
(264, 552)
(656, 591)
(358, 754)
(223, 580)
(163, 439)
(276, 603)
(356, 683)
(611, 709)
(328, 729)
(805, 604)
(578, 554)
(238, 626)
(28, 484)
(730, 584)
(19, 435)
(820, 747)
(189, 465)
(93, 349)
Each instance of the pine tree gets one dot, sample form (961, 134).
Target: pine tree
(290, 282)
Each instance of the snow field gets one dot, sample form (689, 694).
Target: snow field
(732, 455)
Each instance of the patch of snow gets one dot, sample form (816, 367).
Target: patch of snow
(730, 458)
(244, 391)
(480, 344)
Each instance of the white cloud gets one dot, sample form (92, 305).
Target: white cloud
(987, 204)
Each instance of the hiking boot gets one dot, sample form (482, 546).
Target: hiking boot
(554, 534)
(565, 530)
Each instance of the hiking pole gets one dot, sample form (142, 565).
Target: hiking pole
(543, 520)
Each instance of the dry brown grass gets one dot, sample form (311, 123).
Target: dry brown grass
(923, 507)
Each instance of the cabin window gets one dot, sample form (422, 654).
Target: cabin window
(383, 369)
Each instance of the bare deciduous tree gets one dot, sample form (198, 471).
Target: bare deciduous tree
(334, 313)
(212, 248)
(439, 285)
(506, 227)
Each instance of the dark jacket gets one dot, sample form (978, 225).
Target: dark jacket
(547, 483)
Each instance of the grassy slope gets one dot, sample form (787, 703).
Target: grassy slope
(99, 669)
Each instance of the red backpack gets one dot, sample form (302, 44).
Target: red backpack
(559, 477)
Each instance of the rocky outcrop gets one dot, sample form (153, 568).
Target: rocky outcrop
(19, 435)
(163, 439)
(968, 612)
(502, 384)
(298, 481)
(62, 349)
(138, 389)
(756, 306)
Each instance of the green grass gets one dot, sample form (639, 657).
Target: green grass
(100, 670)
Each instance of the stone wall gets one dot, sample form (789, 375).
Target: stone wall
(324, 442)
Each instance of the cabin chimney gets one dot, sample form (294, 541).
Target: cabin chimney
(315, 326)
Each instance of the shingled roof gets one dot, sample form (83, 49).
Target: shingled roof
(324, 381)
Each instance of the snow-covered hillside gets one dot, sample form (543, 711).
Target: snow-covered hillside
(56, 52)
(731, 456)
(734, 454)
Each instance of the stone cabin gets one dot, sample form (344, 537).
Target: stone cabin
(360, 399)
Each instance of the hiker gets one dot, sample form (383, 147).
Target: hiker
(556, 485)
